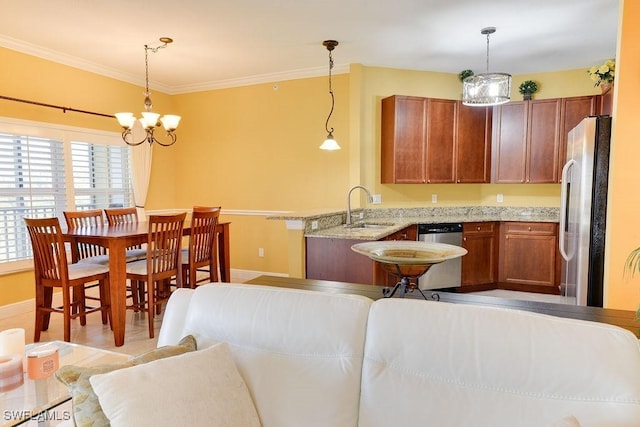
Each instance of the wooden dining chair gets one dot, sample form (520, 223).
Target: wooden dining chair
(52, 270)
(119, 216)
(87, 252)
(82, 251)
(164, 240)
(122, 215)
(202, 253)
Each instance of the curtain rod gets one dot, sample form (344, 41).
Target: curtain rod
(64, 109)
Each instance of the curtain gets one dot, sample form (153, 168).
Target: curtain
(141, 169)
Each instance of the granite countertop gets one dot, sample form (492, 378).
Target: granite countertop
(330, 224)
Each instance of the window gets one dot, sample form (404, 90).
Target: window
(47, 169)
(32, 183)
(100, 176)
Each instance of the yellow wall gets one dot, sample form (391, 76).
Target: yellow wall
(254, 148)
(623, 233)
(27, 77)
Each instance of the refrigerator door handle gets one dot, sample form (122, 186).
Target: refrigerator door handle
(563, 207)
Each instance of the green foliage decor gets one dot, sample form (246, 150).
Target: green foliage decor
(464, 74)
(631, 266)
(528, 87)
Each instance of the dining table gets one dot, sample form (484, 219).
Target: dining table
(117, 238)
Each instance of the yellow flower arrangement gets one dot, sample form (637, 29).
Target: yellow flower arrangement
(604, 73)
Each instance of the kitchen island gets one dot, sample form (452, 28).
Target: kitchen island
(320, 244)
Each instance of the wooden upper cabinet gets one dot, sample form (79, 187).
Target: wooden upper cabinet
(441, 127)
(404, 131)
(526, 141)
(543, 141)
(473, 144)
(428, 140)
(573, 111)
(509, 143)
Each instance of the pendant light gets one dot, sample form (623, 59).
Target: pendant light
(486, 89)
(150, 120)
(330, 143)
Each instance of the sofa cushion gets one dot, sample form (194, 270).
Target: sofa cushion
(86, 407)
(456, 364)
(194, 389)
(299, 352)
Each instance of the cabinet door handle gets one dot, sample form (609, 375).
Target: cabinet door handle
(529, 228)
(464, 238)
(404, 236)
(478, 228)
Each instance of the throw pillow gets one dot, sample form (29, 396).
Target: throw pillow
(86, 407)
(195, 389)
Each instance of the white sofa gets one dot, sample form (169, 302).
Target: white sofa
(319, 359)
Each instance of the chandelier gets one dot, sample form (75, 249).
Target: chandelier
(486, 89)
(330, 143)
(150, 120)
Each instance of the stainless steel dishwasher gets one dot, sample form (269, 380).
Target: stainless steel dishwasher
(447, 274)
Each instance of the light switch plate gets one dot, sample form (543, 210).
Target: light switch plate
(434, 198)
(376, 199)
(500, 198)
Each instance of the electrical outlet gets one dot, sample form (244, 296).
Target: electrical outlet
(314, 225)
(500, 198)
(361, 215)
(261, 252)
(434, 198)
(376, 199)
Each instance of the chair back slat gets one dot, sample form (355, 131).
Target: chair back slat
(122, 215)
(164, 243)
(80, 219)
(49, 255)
(203, 235)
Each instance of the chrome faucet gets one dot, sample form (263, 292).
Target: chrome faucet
(369, 200)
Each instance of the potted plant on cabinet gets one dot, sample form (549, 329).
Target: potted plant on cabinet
(464, 74)
(603, 75)
(527, 89)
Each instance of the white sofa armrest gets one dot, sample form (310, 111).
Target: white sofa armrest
(174, 319)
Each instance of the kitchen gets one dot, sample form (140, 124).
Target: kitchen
(299, 177)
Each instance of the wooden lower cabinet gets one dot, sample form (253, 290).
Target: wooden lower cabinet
(520, 256)
(332, 259)
(382, 277)
(480, 264)
(529, 257)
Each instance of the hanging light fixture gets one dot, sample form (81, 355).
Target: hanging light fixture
(149, 119)
(330, 143)
(488, 88)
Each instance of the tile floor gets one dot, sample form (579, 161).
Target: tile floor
(94, 334)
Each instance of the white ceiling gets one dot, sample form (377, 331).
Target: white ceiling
(229, 43)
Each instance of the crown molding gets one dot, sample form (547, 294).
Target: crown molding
(92, 67)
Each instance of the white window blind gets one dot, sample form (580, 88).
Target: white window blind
(32, 183)
(46, 169)
(100, 176)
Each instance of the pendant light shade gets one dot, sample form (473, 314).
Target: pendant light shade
(330, 143)
(486, 89)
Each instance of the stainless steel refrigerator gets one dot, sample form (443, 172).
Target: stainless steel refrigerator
(583, 211)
